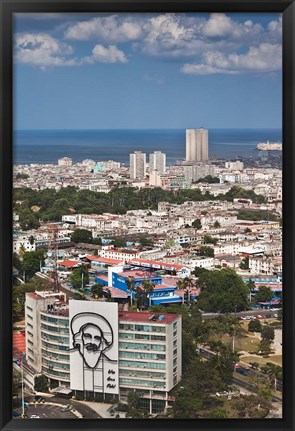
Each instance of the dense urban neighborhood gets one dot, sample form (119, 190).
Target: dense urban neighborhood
(176, 270)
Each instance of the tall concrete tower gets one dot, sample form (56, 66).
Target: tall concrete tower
(158, 162)
(137, 162)
(196, 145)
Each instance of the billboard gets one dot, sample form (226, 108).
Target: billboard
(94, 346)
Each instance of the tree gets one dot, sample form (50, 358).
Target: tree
(146, 242)
(21, 176)
(19, 296)
(217, 413)
(265, 347)
(131, 287)
(245, 263)
(77, 275)
(197, 224)
(82, 235)
(222, 291)
(254, 326)
(208, 239)
(216, 224)
(97, 241)
(264, 294)
(32, 261)
(186, 405)
(118, 243)
(143, 294)
(198, 271)
(205, 250)
(97, 290)
(267, 333)
(16, 382)
(41, 383)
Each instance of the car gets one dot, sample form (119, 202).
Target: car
(259, 316)
(275, 315)
(268, 316)
(15, 414)
(66, 409)
(34, 417)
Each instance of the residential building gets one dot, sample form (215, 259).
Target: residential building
(196, 145)
(157, 162)
(137, 165)
(143, 350)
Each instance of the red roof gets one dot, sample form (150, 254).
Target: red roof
(19, 343)
(70, 263)
(139, 316)
(104, 260)
(34, 295)
(160, 265)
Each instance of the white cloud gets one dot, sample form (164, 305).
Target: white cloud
(101, 54)
(42, 50)
(262, 59)
(218, 25)
(111, 29)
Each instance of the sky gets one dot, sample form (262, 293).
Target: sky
(149, 71)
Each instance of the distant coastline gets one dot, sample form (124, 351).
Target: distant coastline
(47, 146)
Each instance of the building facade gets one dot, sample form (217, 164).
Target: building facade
(157, 162)
(134, 351)
(196, 145)
(137, 161)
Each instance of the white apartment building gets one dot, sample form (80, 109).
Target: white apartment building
(196, 145)
(65, 161)
(155, 179)
(264, 265)
(137, 161)
(157, 162)
(143, 350)
(234, 166)
(200, 170)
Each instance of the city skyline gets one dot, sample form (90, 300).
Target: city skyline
(147, 71)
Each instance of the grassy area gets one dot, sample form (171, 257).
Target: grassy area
(275, 359)
(247, 344)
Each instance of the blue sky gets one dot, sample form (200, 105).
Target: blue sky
(105, 71)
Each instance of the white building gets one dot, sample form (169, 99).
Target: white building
(265, 265)
(157, 162)
(234, 166)
(65, 161)
(200, 170)
(138, 351)
(155, 179)
(138, 166)
(196, 145)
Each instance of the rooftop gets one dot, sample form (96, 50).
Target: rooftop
(152, 318)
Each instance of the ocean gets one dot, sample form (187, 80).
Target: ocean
(47, 146)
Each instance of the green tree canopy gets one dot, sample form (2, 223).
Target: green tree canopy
(31, 262)
(222, 291)
(77, 275)
(264, 294)
(254, 326)
(41, 383)
(197, 224)
(82, 235)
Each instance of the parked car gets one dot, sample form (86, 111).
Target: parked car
(15, 414)
(34, 417)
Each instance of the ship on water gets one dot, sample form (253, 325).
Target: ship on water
(269, 146)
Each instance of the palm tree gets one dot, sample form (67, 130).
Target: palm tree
(148, 287)
(274, 373)
(131, 287)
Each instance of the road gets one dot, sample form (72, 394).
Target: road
(86, 411)
(241, 313)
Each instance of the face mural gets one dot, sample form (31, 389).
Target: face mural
(91, 339)
(94, 346)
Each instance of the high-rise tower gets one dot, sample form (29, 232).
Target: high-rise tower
(196, 145)
(137, 165)
(157, 162)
